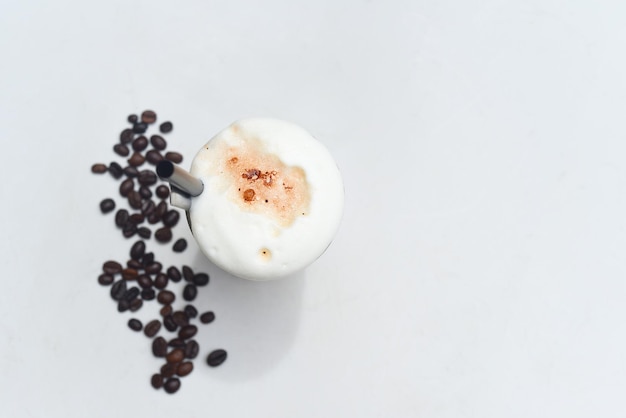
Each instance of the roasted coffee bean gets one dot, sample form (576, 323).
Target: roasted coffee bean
(136, 218)
(148, 207)
(153, 156)
(180, 245)
(126, 187)
(175, 356)
(140, 127)
(156, 381)
(177, 343)
(174, 274)
(121, 150)
(191, 311)
(140, 143)
(174, 157)
(147, 259)
(115, 170)
(123, 305)
(126, 136)
(207, 317)
(171, 218)
(192, 349)
(152, 328)
(190, 292)
(134, 264)
(136, 159)
(166, 310)
(130, 171)
(153, 218)
(129, 230)
(159, 347)
(148, 116)
(144, 232)
(187, 332)
(129, 274)
(166, 127)
(163, 235)
(134, 199)
(171, 385)
(180, 318)
(132, 118)
(135, 304)
(154, 268)
(98, 168)
(201, 279)
(160, 281)
(169, 323)
(107, 205)
(158, 142)
(112, 267)
(216, 357)
(148, 294)
(162, 191)
(145, 192)
(188, 273)
(131, 293)
(147, 178)
(121, 217)
(118, 290)
(144, 281)
(105, 279)
(138, 250)
(166, 297)
(169, 369)
(135, 324)
(161, 209)
(184, 368)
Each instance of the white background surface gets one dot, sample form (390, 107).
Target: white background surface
(479, 270)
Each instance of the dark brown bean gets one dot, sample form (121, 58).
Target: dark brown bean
(174, 157)
(171, 385)
(99, 168)
(121, 217)
(107, 205)
(148, 116)
(184, 368)
(180, 245)
(148, 294)
(187, 332)
(166, 310)
(163, 235)
(156, 381)
(166, 127)
(169, 369)
(131, 293)
(148, 259)
(160, 281)
(105, 279)
(134, 199)
(216, 357)
(180, 318)
(166, 297)
(144, 281)
(154, 268)
(171, 218)
(145, 192)
(188, 273)
(147, 207)
(192, 349)
(190, 292)
(144, 232)
(162, 191)
(158, 142)
(136, 159)
(130, 171)
(136, 218)
(135, 324)
(140, 127)
(177, 343)
(175, 356)
(115, 170)
(138, 250)
(169, 323)
(140, 143)
(126, 187)
(135, 304)
(129, 230)
(112, 267)
(153, 218)
(201, 279)
(207, 317)
(152, 328)
(118, 290)
(129, 274)
(174, 274)
(123, 305)
(134, 264)
(121, 150)
(126, 136)
(191, 311)
(147, 178)
(161, 209)
(153, 156)
(159, 347)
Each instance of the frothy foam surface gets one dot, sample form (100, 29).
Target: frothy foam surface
(272, 199)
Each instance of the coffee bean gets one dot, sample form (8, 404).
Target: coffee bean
(192, 349)
(135, 304)
(163, 235)
(144, 232)
(147, 207)
(174, 157)
(107, 205)
(166, 127)
(126, 136)
(138, 250)
(166, 297)
(171, 218)
(140, 143)
(169, 369)
(188, 273)
(175, 356)
(98, 168)
(171, 385)
(174, 274)
(130, 171)
(156, 381)
(158, 142)
(153, 218)
(190, 292)
(148, 259)
(118, 290)
(148, 116)
(115, 170)
(180, 245)
(153, 156)
(134, 264)
(135, 324)
(201, 279)
(159, 347)
(177, 343)
(134, 199)
(160, 281)
(136, 218)
(207, 317)
(131, 293)
(140, 127)
(191, 311)
(184, 368)
(154, 268)
(162, 191)
(105, 279)
(187, 332)
(147, 177)
(152, 328)
(123, 305)
(126, 187)
(161, 209)
(112, 267)
(144, 281)
(121, 150)
(166, 310)
(216, 357)
(129, 230)
(136, 159)
(132, 118)
(180, 318)
(148, 294)
(121, 217)
(129, 274)
(169, 323)
(145, 192)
